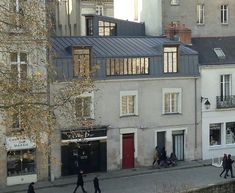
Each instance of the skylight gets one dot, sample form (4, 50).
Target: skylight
(219, 53)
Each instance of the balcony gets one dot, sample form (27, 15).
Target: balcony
(223, 102)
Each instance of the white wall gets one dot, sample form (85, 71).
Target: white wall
(149, 12)
(210, 88)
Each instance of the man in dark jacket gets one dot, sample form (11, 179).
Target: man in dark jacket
(80, 182)
(31, 188)
(96, 185)
(229, 166)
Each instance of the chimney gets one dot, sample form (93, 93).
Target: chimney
(177, 31)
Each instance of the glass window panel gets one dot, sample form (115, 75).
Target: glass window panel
(215, 134)
(121, 66)
(125, 66)
(167, 103)
(124, 105)
(138, 65)
(134, 66)
(130, 66)
(23, 57)
(112, 67)
(230, 132)
(108, 67)
(23, 71)
(146, 65)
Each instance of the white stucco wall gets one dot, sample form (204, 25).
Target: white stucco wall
(210, 85)
(149, 12)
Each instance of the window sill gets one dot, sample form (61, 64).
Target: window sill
(172, 113)
(123, 116)
(175, 4)
(200, 24)
(224, 24)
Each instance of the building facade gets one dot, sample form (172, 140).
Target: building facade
(69, 15)
(211, 18)
(217, 87)
(143, 88)
(149, 12)
(23, 57)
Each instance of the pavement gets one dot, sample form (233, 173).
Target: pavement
(106, 176)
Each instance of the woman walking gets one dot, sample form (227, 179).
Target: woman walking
(224, 164)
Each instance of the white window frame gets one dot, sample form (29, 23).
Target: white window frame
(99, 10)
(224, 85)
(175, 2)
(170, 59)
(129, 93)
(19, 62)
(200, 14)
(224, 14)
(87, 94)
(172, 90)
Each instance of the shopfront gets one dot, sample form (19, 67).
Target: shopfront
(89, 153)
(21, 161)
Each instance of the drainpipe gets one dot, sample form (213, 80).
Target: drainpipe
(195, 113)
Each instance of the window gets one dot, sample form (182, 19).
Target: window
(107, 28)
(127, 66)
(18, 67)
(225, 87)
(81, 61)
(89, 27)
(200, 13)
(219, 53)
(170, 59)
(224, 14)
(128, 103)
(215, 134)
(175, 2)
(230, 132)
(171, 100)
(83, 107)
(21, 162)
(17, 6)
(99, 9)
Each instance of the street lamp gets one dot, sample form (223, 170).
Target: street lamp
(206, 102)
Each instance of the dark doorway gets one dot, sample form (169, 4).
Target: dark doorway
(89, 156)
(128, 151)
(161, 139)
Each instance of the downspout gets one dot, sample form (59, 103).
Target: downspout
(195, 113)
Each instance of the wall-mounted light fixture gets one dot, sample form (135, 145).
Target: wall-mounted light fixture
(206, 102)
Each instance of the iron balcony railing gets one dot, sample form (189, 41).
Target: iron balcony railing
(225, 101)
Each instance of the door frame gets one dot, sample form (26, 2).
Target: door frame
(126, 131)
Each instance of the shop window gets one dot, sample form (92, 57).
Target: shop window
(230, 132)
(215, 134)
(21, 162)
(81, 61)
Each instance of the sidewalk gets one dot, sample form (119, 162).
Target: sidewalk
(63, 181)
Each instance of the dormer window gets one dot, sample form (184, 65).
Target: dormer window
(170, 59)
(219, 53)
(81, 61)
(99, 9)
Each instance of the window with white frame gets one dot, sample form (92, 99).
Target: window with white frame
(200, 13)
(99, 9)
(225, 86)
(128, 103)
(17, 5)
(170, 59)
(215, 134)
(18, 66)
(84, 106)
(175, 2)
(172, 100)
(224, 14)
(230, 132)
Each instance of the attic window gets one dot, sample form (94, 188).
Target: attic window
(219, 53)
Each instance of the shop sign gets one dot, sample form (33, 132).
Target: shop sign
(17, 143)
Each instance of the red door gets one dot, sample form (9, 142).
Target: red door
(127, 151)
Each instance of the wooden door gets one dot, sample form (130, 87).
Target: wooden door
(127, 151)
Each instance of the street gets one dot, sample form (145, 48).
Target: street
(159, 181)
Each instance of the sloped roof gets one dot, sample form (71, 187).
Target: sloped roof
(116, 46)
(205, 47)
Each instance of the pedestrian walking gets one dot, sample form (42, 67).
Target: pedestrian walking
(31, 188)
(96, 185)
(156, 157)
(229, 166)
(224, 164)
(80, 182)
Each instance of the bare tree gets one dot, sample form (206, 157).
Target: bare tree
(27, 109)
